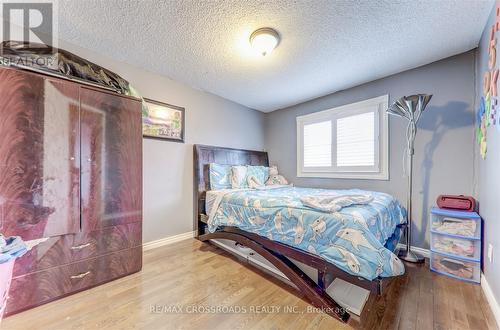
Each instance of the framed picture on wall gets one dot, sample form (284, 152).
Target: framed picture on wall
(163, 121)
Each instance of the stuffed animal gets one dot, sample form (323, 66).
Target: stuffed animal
(275, 178)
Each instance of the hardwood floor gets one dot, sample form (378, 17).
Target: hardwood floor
(180, 277)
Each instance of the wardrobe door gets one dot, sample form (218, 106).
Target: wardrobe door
(111, 148)
(39, 155)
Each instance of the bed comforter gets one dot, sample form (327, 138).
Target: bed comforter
(352, 239)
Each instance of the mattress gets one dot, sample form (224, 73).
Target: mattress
(353, 238)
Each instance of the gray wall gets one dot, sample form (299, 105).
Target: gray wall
(489, 175)
(168, 166)
(444, 146)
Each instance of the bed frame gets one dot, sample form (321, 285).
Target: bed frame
(276, 253)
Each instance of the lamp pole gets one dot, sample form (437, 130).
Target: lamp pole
(407, 254)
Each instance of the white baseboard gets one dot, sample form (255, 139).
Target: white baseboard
(495, 308)
(167, 240)
(423, 252)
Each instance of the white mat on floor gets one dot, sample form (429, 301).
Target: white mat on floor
(351, 297)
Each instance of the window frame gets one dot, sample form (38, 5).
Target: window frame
(380, 171)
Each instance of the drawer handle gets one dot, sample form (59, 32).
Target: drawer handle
(79, 247)
(82, 275)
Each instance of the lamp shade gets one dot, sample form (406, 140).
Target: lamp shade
(410, 107)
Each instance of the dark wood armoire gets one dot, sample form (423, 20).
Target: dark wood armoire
(70, 183)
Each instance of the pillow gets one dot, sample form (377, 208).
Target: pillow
(220, 176)
(248, 176)
(275, 178)
(257, 176)
(239, 177)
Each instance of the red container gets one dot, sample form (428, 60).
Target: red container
(455, 202)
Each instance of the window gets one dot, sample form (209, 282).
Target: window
(350, 141)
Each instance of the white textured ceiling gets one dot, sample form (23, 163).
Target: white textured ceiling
(326, 46)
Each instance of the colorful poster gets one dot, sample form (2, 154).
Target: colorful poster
(162, 121)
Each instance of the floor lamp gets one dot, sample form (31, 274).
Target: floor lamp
(410, 108)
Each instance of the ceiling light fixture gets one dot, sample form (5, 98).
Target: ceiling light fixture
(264, 40)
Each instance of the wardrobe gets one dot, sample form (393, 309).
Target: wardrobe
(70, 184)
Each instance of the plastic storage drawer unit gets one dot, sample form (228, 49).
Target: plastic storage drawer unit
(456, 244)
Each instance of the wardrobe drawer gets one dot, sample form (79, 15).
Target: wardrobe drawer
(65, 249)
(37, 288)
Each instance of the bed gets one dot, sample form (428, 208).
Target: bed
(355, 244)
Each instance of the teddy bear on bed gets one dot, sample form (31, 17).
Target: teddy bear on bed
(275, 178)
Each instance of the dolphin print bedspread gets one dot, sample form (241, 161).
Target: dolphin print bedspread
(352, 239)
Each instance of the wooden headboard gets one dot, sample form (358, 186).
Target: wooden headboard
(203, 156)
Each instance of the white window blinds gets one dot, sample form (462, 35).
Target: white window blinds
(318, 144)
(356, 140)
